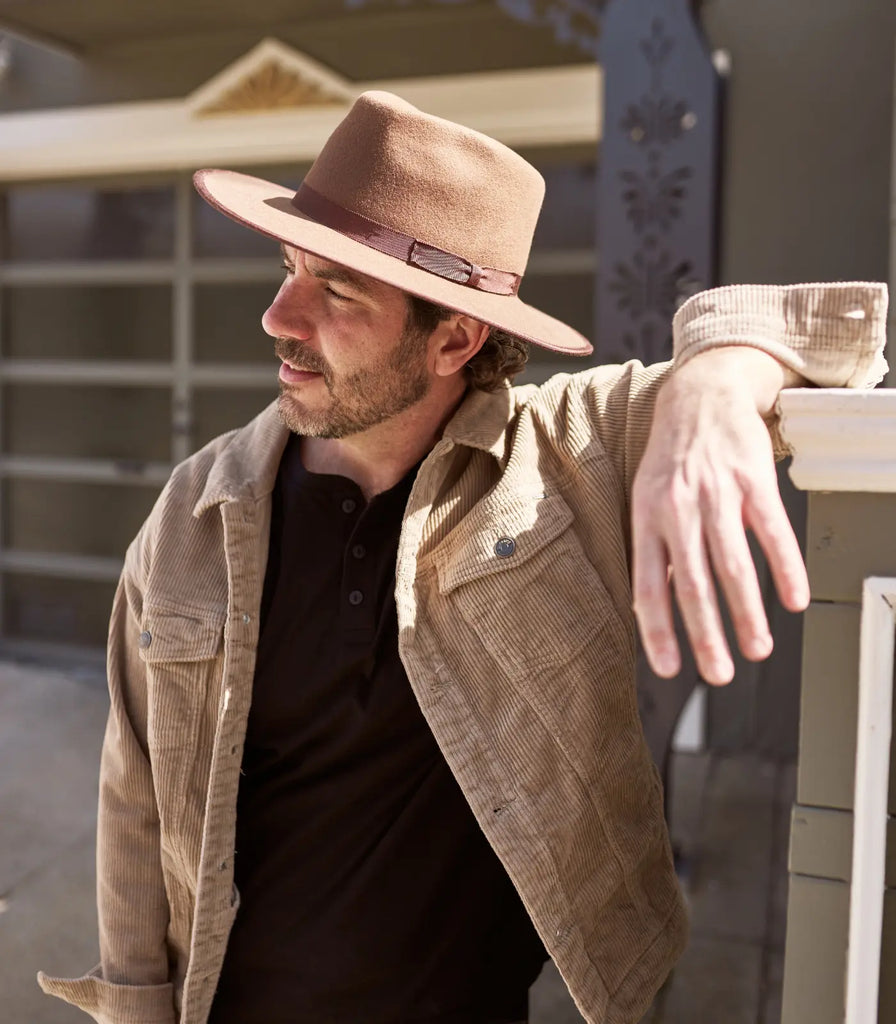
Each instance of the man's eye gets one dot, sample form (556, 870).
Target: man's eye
(288, 267)
(338, 295)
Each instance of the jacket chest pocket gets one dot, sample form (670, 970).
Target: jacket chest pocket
(519, 577)
(180, 650)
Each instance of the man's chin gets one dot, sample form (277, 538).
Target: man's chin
(300, 420)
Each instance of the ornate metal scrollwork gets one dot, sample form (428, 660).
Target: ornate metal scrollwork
(658, 178)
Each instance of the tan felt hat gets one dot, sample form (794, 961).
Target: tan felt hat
(416, 201)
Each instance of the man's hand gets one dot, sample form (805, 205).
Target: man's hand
(706, 476)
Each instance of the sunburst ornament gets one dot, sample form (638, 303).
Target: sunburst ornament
(272, 87)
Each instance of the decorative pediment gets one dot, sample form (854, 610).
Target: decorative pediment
(271, 76)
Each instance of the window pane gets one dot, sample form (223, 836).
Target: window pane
(568, 297)
(215, 234)
(88, 322)
(87, 421)
(228, 323)
(72, 222)
(69, 518)
(217, 410)
(569, 214)
(56, 610)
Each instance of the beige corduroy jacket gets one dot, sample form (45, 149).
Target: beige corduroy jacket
(522, 664)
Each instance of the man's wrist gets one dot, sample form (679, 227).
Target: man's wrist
(741, 368)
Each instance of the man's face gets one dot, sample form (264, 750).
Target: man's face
(349, 362)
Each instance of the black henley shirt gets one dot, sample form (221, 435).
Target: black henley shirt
(369, 895)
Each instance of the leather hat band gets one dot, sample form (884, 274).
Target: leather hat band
(393, 243)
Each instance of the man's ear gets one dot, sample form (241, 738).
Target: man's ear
(457, 340)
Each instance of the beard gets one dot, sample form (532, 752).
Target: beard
(361, 399)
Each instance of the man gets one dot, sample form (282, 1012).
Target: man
(372, 655)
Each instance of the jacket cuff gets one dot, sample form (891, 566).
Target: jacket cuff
(108, 1003)
(831, 334)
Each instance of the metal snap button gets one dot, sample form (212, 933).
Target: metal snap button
(505, 547)
(145, 639)
(247, 618)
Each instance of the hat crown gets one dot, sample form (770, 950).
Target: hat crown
(443, 184)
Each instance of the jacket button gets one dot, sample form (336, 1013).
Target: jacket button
(505, 547)
(145, 639)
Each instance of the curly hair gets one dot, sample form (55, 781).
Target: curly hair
(501, 358)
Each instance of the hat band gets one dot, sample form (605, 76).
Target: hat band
(404, 247)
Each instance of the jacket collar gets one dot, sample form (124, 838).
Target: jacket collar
(482, 419)
(246, 469)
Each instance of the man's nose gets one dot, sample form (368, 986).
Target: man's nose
(288, 316)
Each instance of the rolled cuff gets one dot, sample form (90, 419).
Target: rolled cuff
(108, 1003)
(831, 334)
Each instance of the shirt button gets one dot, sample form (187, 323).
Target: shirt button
(349, 506)
(359, 551)
(505, 547)
(145, 639)
(355, 597)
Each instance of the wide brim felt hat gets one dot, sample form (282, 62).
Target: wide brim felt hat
(415, 201)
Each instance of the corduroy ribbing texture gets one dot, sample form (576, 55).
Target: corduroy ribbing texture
(515, 628)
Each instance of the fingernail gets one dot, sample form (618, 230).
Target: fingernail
(761, 646)
(665, 663)
(721, 671)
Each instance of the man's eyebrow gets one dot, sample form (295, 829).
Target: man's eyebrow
(342, 275)
(335, 272)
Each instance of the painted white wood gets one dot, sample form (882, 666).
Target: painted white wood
(137, 374)
(88, 272)
(182, 328)
(534, 107)
(842, 440)
(870, 806)
(690, 733)
(95, 471)
(73, 567)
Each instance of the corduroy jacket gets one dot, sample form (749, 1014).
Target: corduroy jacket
(516, 632)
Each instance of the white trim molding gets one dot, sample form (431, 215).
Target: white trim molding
(224, 123)
(842, 440)
(869, 846)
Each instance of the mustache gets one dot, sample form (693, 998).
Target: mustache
(301, 356)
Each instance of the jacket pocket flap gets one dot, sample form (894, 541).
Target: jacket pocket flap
(180, 636)
(108, 1003)
(499, 535)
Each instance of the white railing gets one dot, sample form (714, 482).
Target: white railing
(869, 842)
(845, 441)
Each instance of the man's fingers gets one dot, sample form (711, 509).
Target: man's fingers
(653, 605)
(768, 521)
(696, 596)
(733, 565)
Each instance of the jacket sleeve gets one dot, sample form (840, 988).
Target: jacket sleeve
(130, 984)
(833, 335)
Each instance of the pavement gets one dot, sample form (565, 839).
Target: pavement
(730, 821)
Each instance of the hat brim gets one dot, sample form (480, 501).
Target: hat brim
(266, 207)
